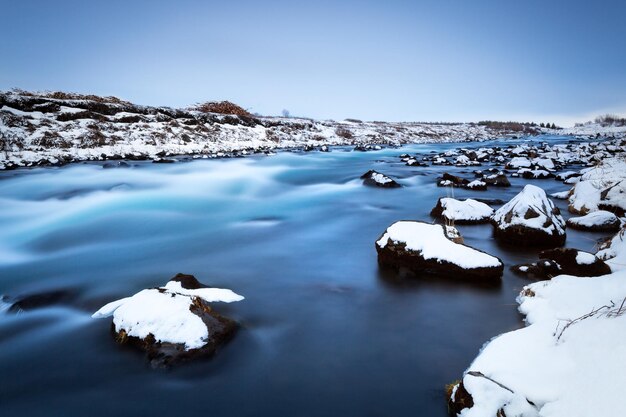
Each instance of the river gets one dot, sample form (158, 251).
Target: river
(323, 331)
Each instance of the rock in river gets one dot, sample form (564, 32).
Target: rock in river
(449, 180)
(597, 221)
(377, 179)
(567, 261)
(173, 323)
(467, 211)
(426, 248)
(530, 219)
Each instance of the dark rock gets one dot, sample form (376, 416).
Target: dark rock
(40, 300)
(458, 398)
(567, 261)
(188, 281)
(447, 180)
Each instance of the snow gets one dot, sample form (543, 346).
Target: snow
(476, 184)
(164, 312)
(545, 163)
(601, 184)
(562, 195)
(585, 197)
(519, 162)
(565, 372)
(467, 210)
(380, 178)
(211, 134)
(614, 251)
(431, 242)
(535, 199)
(585, 258)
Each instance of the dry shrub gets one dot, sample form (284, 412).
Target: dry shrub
(222, 107)
(60, 95)
(343, 132)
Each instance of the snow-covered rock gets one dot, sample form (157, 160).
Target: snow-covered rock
(377, 179)
(174, 322)
(519, 162)
(613, 251)
(565, 363)
(530, 219)
(567, 175)
(601, 187)
(561, 195)
(535, 174)
(597, 221)
(466, 211)
(426, 248)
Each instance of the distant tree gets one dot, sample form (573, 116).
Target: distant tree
(286, 113)
(542, 124)
(553, 126)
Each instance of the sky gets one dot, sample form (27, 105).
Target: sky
(543, 61)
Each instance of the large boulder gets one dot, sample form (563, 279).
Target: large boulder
(566, 261)
(529, 219)
(376, 179)
(467, 211)
(173, 323)
(601, 187)
(426, 248)
(596, 221)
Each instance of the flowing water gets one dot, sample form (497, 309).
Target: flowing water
(323, 331)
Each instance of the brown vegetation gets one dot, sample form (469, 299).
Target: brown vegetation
(510, 126)
(60, 95)
(222, 107)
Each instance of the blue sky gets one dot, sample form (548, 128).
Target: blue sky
(560, 61)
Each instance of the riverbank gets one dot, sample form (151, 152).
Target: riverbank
(43, 129)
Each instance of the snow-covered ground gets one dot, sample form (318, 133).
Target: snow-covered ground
(38, 129)
(567, 362)
(45, 130)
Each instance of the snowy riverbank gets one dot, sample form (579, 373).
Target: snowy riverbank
(42, 130)
(566, 361)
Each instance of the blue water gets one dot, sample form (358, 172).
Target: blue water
(323, 331)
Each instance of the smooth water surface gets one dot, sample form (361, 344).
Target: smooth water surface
(323, 331)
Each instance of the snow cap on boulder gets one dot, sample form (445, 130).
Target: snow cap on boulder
(598, 221)
(426, 248)
(377, 179)
(466, 211)
(530, 219)
(172, 322)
